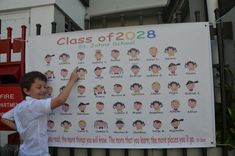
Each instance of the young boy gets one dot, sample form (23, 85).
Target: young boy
(29, 117)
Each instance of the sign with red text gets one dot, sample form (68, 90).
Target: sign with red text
(140, 87)
(10, 96)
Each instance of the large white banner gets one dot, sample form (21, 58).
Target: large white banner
(140, 87)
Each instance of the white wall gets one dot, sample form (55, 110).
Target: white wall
(14, 19)
(74, 9)
(19, 4)
(100, 7)
(43, 15)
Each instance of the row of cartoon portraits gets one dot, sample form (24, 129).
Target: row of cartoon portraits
(138, 125)
(133, 54)
(137, 106)
(135, 70)
(135, 88)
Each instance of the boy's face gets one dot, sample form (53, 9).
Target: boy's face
(137, 106)
(80, 56)
(192, 103)
(175, 124)
(82, 108)
(81, 90)
(157, 106)
(65, 107)
(136, 88)
(48, 59)
(153, 51)
(120, 125)
(133, 53)
(174, 105)
(99, 106)
(135, 71)
(50, 124)
(82, 125)
(190, 86)
(115, 54)
(119, 107)
(38, 90)
(174, 87)
(138, 125)
(172, 69)
(191, 67)
(117, 88)
(63, 73)
(98, 72)
(157, 125)
(155, 69)
(156, 87)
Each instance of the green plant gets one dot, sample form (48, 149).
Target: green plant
(229, 138)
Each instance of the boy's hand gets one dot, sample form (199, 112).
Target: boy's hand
(74, 76)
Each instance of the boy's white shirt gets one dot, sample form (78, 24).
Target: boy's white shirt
(30, 117)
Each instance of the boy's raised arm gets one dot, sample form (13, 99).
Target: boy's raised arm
(62, 97)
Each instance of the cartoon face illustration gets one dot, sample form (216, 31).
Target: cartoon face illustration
(66, 125)
(175, 123)
(154, 68)
(157, 124)
(117, 88)
(81, 72)
(138, 124)
(137, 105)
(99, 106)
(65, 107)
(135, 69)
(100, 124)
(98, 71)
(99, 89)
(156, 87)
(136, 87)
(190, 85)
(82, 124)
(50, 124)
(133, 52)
(175, 104)
(153, 51)
(172, 67)
(115, 70)
(98, 55)
(49, 91)
(80, 56)
(190, 65)
(119, 107)
(119, 124)
(64, 57)
(156, 105)
(48, 59)
(81, 89)
(64, 72)
(170, 51)
(115, 54)
(192, 103)
(82, 106)
(174, 86)
(50, 74)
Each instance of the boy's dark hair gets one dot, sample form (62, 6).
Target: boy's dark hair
(28, 79)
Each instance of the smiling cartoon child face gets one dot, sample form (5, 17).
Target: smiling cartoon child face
(153, 51)
(115, 54)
